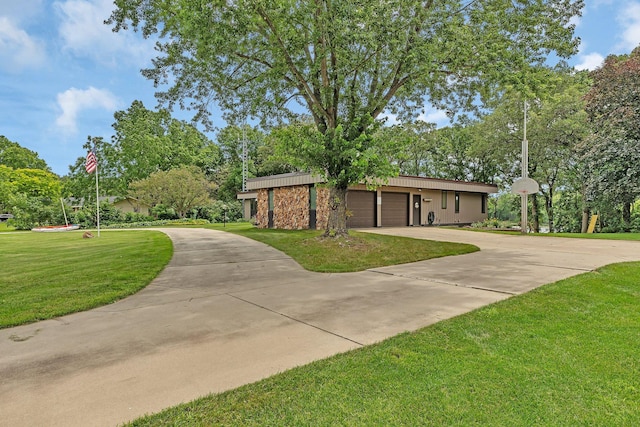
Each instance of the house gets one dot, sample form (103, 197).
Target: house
(125, 204)
(129, 204)
(299, 201)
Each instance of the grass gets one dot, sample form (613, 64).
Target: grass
(4, 227)
(565, 354)
(46, 275)
(605, 236)
(358, 252)
(602, 236)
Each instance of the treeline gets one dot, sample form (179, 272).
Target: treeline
(583, 131)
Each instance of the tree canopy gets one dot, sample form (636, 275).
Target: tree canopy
(15, 156)
(145, 141)
(345, 63)
(181, 189)
(612, 154)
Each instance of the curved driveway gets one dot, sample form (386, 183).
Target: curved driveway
(228, 311)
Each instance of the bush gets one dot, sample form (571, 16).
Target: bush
(161, 211)
(133, 217)
(159, 223)
(86, 217)
(29, 212)
(215, 211)
(491, 223)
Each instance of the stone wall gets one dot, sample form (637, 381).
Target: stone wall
(262, 215)
(322, 208)
(291, 208)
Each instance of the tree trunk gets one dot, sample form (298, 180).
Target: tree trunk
(585, 220)
(585, 211)
(626, 216)
(548, 202)
(337, 223)
(535, 213)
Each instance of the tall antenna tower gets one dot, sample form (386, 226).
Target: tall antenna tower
(244, 158)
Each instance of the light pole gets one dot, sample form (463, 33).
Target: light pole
(524, 185)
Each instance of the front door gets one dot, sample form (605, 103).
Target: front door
(417, 209)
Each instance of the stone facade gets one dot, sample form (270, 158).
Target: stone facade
(322, 208)
(291, 208)
(262, 215)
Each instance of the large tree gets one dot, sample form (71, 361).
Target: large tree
(557, 124)
(182, 189)
(31, 195)
(345, 62)
(15, 156)
(147, 141)
(261, 159)
(612, 155)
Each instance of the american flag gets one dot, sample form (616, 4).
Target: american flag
(92, 162)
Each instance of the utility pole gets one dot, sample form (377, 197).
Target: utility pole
(244, 158)
(524, 205)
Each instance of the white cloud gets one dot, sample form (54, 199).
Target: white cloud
(18, 50)
(84, 33)
(589, 61)
(431, 115)
(390, 119)
(576, 21)
(629, 18)
(73, 100)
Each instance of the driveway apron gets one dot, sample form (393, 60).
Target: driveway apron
(229, 311)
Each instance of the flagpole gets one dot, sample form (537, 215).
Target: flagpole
(97, 202)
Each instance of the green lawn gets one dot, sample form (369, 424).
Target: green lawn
(45, 275)
(359, 252)
(5, 227)
(605, 236)
(565, 354)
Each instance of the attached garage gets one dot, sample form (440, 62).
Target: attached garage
(362, 205)
(299, 200)
(395, 209)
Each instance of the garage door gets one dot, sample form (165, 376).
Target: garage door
(395, 209)
(362, 205)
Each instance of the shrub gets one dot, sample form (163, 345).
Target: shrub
(159, 223)
(215, 211)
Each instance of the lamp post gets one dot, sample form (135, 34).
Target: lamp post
(224, 216)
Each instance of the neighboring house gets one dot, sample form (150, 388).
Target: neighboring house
(299, 201)
(5, 217)
(129, 204)
(125, 204)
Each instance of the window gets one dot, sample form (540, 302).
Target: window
(444, 199)
(271, 199)
(457, 199)
(484, 203)
(313, 197)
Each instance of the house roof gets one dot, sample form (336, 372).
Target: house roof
(301, 178)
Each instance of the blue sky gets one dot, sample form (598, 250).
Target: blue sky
(63, 73)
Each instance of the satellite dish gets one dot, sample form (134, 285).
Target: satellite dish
(525, 186)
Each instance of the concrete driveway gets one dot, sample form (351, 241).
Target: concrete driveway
(228, 311)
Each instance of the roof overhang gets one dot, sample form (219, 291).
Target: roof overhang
(247, 195)
(417, 182)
